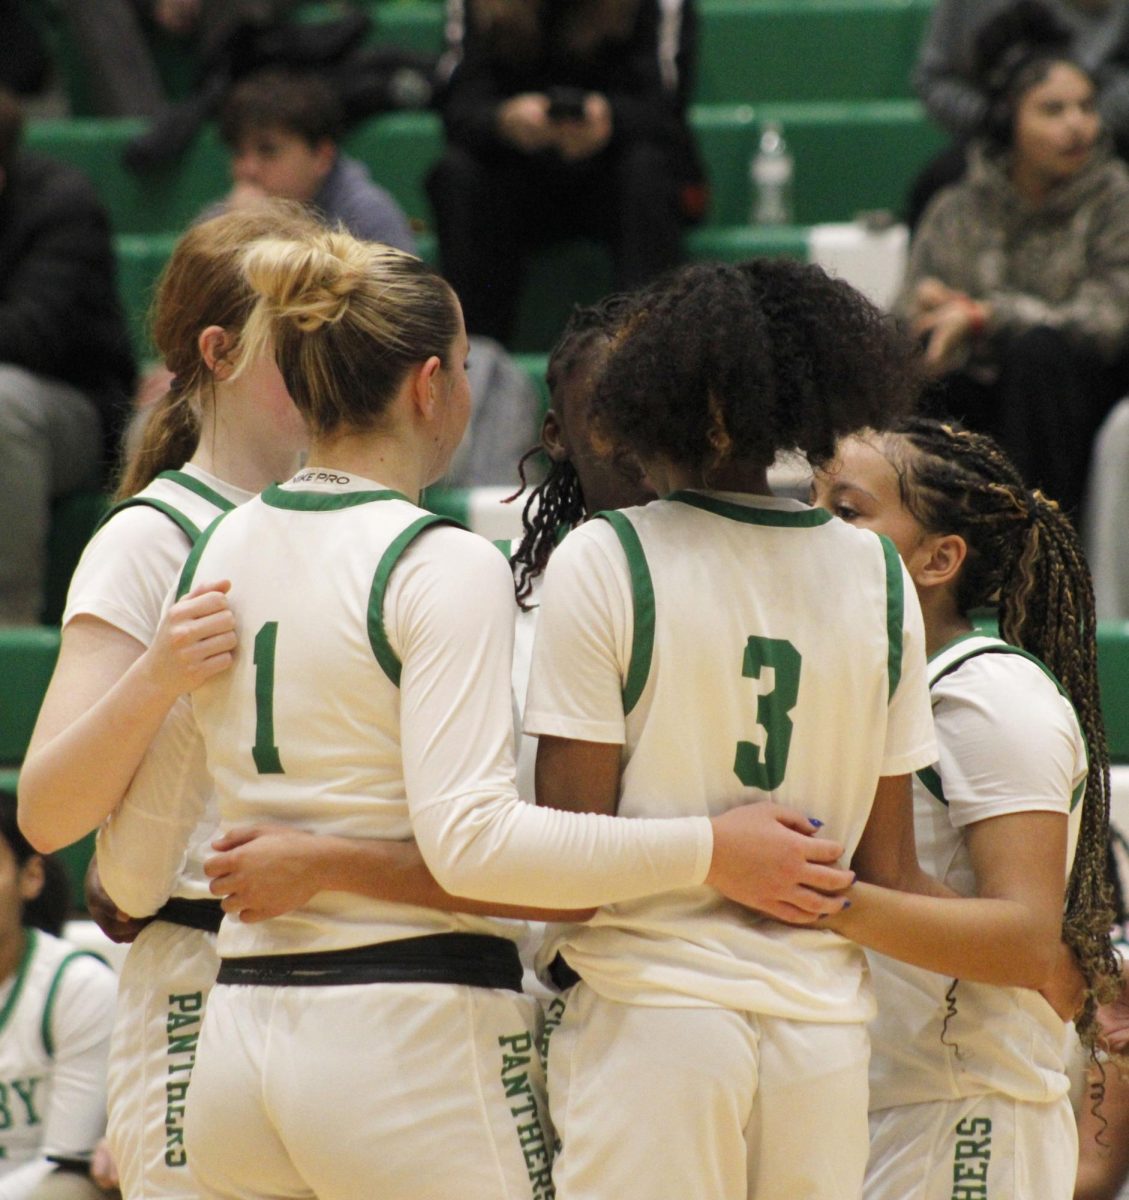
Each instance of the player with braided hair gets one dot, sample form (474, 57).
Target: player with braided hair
(968, 1083)
(579, 481)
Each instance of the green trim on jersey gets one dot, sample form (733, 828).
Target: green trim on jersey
(895, 613)
(807, 518)
(21, 977)
(300, 501)
(643, 603)
(189, 528)
(377, 635)
(193, 560)
(984, 643)
(201, 489)
(52, 995)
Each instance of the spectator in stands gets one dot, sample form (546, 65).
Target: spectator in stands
(1018, 279)
(113, 40)
(563, 118)
(283, 130)
(65, 360)
(948, 82)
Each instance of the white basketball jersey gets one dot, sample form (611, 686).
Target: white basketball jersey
(174, 763)
(304, 729)
(27, 1050)
(1009, 742)
(773, 653)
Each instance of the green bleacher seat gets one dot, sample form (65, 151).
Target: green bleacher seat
(849, 157)
(754, 51)
(161, 201)
(398, 149)
(73, 518)
(1113, 674)
(27, 658)
(141, 259)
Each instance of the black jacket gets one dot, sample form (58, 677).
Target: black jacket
(60, 314)
(646, 74)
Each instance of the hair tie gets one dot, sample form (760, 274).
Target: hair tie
(1036, 501)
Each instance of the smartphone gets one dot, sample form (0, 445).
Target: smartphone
(566, 104)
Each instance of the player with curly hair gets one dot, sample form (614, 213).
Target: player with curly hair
(725, 644)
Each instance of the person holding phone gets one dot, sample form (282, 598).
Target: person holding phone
(563, 119)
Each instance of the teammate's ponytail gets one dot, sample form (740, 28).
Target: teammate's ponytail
(202, 284)
(558, 503)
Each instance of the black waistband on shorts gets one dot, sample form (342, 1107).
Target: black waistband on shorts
(195, 914)
(474, 959)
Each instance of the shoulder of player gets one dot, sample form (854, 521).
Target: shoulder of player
(56, 958)
(1008, 689)
(139, 533)
(449, 551)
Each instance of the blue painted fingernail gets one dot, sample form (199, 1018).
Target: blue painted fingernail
(816, 822)
(846, 904)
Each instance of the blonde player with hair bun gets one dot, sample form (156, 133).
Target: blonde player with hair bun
(371, 699)
(114, 739)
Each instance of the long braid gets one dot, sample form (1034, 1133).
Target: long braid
(554, 504)
(557, 504)
(1025, 559)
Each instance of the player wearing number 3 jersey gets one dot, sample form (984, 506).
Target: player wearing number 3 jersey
(722, 642)
(370, 698)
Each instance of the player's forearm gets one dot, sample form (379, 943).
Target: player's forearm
(993, 941)
(395, 871)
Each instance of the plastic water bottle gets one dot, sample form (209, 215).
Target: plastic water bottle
(770, 175)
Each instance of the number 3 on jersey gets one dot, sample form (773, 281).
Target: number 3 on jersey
(264, 751)
(766, 771)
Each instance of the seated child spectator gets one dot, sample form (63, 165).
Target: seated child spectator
(283, 131)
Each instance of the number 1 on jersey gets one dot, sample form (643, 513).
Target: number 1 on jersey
(751, 767)
(264, 751)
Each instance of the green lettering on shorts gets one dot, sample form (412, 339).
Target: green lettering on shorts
(182, 1029)
(517, 1052)
(972, 1153)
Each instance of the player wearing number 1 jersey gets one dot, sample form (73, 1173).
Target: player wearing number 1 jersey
(370, 697)
(725, 643)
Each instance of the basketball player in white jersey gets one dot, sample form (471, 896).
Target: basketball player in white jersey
(372, 700)
(969, 1090)
(724, 639)
(112, 740)
(56, 1013)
